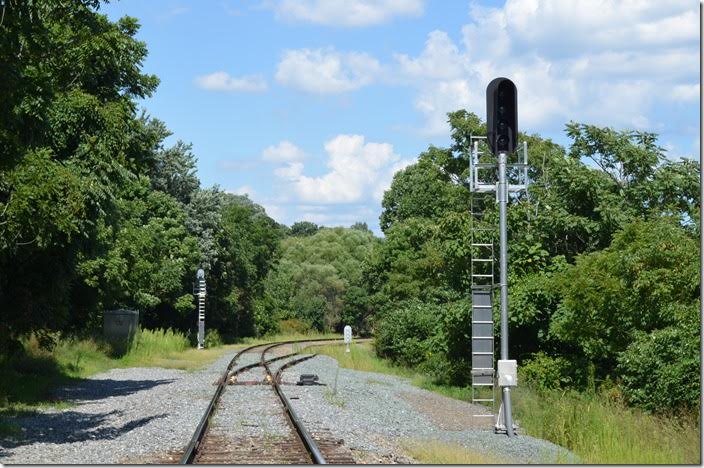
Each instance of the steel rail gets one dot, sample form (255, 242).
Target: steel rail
(192, 447)
(308, 441)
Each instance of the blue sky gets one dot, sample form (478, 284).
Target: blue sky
(310, 106)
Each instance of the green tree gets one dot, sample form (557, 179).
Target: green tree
(68, 135)
(303, 229)
(316, 277)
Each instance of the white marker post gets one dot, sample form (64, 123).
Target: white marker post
(348, 337)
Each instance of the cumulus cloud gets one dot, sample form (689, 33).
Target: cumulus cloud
(244, 190)
(358, 171)
(440, 59)
(608, 62)
(222, 81)
(346, 13)
(686, 92)
(326, 71)
(285, 151)
(292, 171)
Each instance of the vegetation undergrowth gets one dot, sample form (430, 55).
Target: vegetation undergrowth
(287, 336)
(31, 374)
(595, 429)
(432, 452)
(603, 431)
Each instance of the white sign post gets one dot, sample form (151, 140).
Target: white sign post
(348, 337)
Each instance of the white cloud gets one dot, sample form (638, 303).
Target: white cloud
(275, 212)
(435, 100)
(285, 151)
(347, 13)
(608, 62)
(441, 59)
(358, 171)
(326, 71)
(559, 29)
(685, 92)
(222, 81)
(292, 171)
(317, 218)
(244, 190)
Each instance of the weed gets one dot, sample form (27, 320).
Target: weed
(432, 452)
(378, 382)
(333, 399)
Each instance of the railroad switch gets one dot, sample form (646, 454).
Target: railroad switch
(308, 379)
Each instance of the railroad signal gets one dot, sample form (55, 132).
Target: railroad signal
(501, 115)
(200, 292)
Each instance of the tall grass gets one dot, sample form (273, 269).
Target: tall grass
(432, 452)
(361, 357)
(288, 336)
(606, 432)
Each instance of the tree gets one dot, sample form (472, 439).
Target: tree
(319, 279)
(144, 258)
(303, 229)
(247, 242)
(174, 172)
(68, 136)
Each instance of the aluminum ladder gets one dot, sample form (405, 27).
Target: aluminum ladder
(482, 279)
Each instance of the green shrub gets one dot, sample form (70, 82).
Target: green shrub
(546, 372)
(293, 326)
(431, 337)
(405, 335)
(660, 371)
(212, 338)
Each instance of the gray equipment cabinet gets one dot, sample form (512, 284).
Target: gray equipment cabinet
(119, 327)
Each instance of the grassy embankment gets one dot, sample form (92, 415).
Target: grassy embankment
(598, 430)
(29, 377)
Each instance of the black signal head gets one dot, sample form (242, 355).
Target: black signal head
(502, 115)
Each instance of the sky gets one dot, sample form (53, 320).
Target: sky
(310, 106)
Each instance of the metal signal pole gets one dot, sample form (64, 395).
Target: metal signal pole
(503, 284)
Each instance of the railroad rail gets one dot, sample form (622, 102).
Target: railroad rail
(300, 447)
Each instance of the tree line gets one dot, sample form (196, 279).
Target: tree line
(97, 212)
(603, 266)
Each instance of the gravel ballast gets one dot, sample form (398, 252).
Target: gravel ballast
(141, 415)
(375, 414)
(121, 416)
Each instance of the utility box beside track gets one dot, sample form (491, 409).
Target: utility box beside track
(119, 327)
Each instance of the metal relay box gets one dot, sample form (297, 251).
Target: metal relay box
(508, 373)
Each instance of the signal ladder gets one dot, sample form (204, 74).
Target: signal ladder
(482, 281)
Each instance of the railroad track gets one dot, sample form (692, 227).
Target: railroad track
(255, 388)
